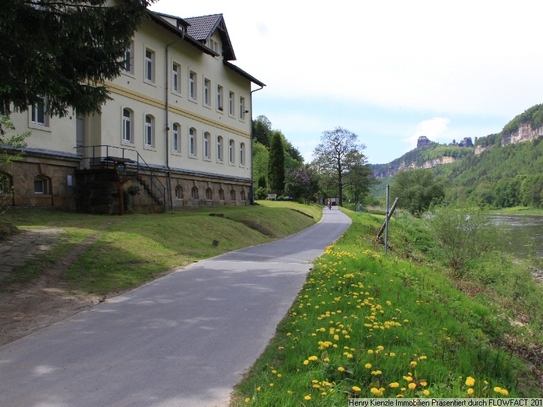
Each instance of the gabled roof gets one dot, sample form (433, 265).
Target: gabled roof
(202, 28)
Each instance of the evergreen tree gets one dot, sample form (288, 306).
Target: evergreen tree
(64, 51)
(276, 164)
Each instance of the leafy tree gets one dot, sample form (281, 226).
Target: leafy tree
(359, 180)
(262, 130)
(416, 189)
(300, 184)
(261, 190)
(338, 152)
(276, 164)
(63, 50)
(9, 143)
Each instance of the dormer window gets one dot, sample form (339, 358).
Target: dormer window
(214, 45)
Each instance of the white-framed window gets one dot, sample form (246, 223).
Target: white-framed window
(192, 85)
(220, 148)
(242, 108)
(42, 185)
(207, 142)
(128, 130)
(220, 98)
(149, 131)
(192, 142)
(39, 114)
(242, 154)
(231, 146)
(128, 63)
(231, 102)
(149, 65)
(176, 78)
(176, 136)
(207, 92)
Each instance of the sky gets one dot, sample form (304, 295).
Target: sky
(387, 70)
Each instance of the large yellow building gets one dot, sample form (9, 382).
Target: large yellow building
(178, 127)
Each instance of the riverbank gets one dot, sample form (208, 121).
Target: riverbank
(402, 325)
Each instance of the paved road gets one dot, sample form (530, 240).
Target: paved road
(181, 341)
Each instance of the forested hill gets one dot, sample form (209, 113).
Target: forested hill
(502, 170)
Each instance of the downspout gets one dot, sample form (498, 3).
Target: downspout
(167, 129)
(252, 190)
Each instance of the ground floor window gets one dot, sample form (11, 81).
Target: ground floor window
(42, 185)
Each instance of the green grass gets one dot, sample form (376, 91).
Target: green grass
(369, 325)
(122, 252)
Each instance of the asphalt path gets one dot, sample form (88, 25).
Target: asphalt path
(183, 340)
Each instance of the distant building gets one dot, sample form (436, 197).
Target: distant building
(178, 127)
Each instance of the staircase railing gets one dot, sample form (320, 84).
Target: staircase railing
(103, 156)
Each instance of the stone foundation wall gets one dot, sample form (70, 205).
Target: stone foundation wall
(55, 175)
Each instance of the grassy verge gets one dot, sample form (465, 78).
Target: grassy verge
(116, 253)
(366, 325)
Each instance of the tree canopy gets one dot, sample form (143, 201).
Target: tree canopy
(416, 189)
(338, 154)
(64, 51)
(276, 164)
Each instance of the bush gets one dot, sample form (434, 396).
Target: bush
(462, 235)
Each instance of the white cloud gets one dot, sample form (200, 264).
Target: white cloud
(433, 129)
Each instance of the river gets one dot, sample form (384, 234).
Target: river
(524, 234)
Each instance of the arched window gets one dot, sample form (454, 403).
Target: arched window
(209, 194)
(242, 154)
(5, 183)
(232, 195)
(42, 185)
(149, 131)
(179, 192)
(128, 130)
(221, 194)
(242, 195)
(219, 148)
(207, 141)
(231, 151)
(176, 138)
(192, 142)
(194, 193)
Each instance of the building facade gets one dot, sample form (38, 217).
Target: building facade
(178, 127)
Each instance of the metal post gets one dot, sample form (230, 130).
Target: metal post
(386, 219)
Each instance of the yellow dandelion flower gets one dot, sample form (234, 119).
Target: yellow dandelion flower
(356, 389)
(258, 388)
(380, 348)
(394, 385)
(341, 369)
(426, 392)
(423, 383)
(247, 399)
(470, 391)
(413, 364)
(412, 385)
(504, 392)
(370, 351)
(470, 381)
(307, 398)
(313, 358)
(497, 389)
(306, 362)
(367, 365)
